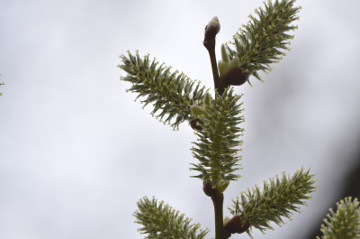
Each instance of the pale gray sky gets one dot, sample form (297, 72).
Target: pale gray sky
(76, 151)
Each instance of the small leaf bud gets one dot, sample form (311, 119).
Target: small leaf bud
(197, 111)
(235, 76)
(231, 72)
(225, 66)
(222, 185)
(211, 29)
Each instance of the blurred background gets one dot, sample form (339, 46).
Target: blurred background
(77, 153)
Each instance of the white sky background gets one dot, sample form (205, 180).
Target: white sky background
(76, 152)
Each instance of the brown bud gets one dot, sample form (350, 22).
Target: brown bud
(211, 29)
(234, 225)
(209, 190)
(195, 124)
(235, 76)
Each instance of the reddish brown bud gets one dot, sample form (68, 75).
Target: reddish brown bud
(211, 29)
(234, 225)
(195, 124)
(209, 190)
(235, 76)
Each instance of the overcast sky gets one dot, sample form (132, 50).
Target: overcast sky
(77, 153)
